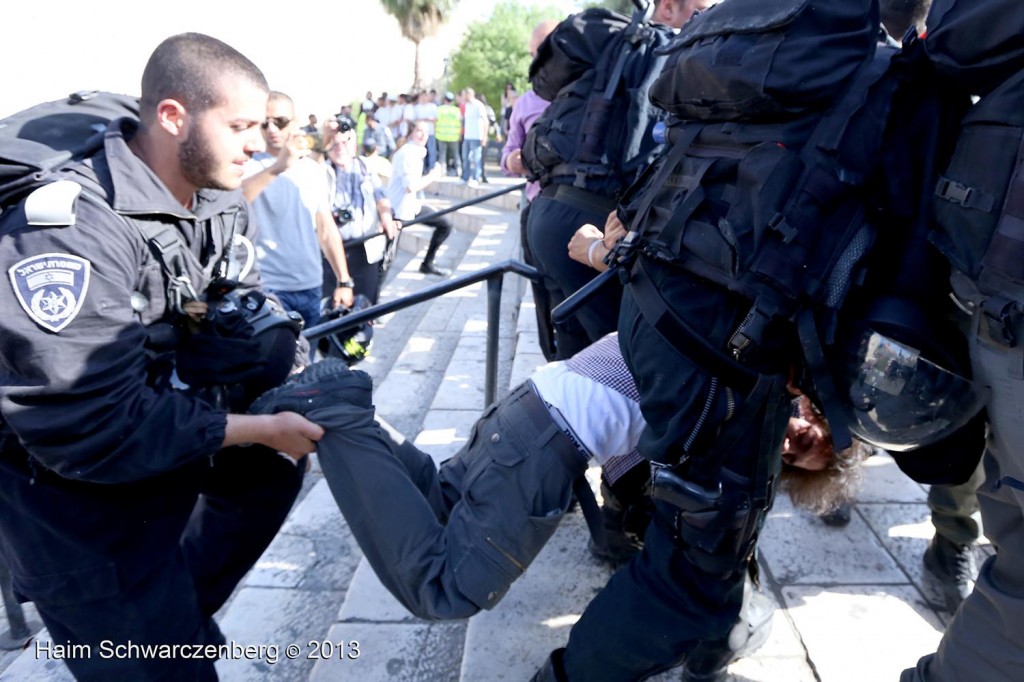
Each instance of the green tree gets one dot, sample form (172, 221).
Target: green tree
(418, 19)
(495, 50)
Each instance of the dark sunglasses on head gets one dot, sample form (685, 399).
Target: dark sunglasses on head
(280, 121)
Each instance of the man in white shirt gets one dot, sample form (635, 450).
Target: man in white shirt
(407, 181)
(474, 133)
(292, 207)
(426, 113)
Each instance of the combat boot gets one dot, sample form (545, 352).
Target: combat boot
(709, 660)
(954, 568)
(552, 670)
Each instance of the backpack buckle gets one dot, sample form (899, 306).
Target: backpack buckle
(953, 191)
(786, 231)
(1000, 314)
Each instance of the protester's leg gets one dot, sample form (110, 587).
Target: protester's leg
(247, 495)
(465, 160)
(442, 228)
(516, 471)
(982, 642)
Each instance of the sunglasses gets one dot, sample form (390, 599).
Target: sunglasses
(281, 122)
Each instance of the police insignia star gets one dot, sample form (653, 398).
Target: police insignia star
(51, 288)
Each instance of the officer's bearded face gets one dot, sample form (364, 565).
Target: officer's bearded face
(221, 139)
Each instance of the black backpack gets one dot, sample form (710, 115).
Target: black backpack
(596, 133)
(37, 143)
(768, 187)
(48, 136)
(978, 205)
(976, 43)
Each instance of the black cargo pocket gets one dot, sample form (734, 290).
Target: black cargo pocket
(71, 588)
(486, 572)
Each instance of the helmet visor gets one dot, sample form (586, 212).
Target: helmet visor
(898, 400)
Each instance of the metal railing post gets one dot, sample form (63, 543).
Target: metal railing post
(494, 283)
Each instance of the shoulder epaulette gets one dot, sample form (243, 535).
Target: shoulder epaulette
(53, 204)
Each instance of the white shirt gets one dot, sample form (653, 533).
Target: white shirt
(475, 123)
(428, 114)
(407, 168)
(596, 397)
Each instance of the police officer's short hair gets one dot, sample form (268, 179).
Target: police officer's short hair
(189, 67)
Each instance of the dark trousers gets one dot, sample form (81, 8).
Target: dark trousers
(451, 542)
(148, 562)
(550, 227)
(442, 228)
(541, 295)
(367, 276)
(684, 586)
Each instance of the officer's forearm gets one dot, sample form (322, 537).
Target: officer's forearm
(285, 432)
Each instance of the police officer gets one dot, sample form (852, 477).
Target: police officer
(449, 543)
(127, 511)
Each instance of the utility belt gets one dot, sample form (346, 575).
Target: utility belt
(580, 199)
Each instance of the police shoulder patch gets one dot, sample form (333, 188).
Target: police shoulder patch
(51, 288)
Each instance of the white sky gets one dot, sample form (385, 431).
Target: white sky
(322, 53)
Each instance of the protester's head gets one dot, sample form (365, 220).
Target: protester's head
(469, 94)
(899, 15)
(540, 32)
(815, 476)
(312, 119)
(418, 134)
(371, 121)
(279, 123)
(201, 105)
(369, 147)
(449, 97)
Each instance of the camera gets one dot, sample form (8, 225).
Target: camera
(344, 123)
(342, 216)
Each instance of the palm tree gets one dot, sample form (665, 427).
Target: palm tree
(418, 19)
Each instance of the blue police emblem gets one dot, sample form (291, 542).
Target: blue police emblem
(51, 288)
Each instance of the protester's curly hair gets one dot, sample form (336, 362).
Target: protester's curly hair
(821, 492)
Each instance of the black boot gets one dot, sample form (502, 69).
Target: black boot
(552, 670)
(708, 661)
(953, 567)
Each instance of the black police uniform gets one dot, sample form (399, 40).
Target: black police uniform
(119, 517)
(686, 586)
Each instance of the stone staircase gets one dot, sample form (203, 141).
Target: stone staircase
(853, 604)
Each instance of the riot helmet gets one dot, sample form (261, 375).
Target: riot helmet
(351, 345)
(904, 379)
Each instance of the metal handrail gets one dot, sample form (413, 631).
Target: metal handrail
(444, 211)
(494, 276)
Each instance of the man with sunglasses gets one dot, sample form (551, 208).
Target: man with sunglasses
(292, 207)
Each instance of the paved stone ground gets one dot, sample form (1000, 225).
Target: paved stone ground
(853, 605)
